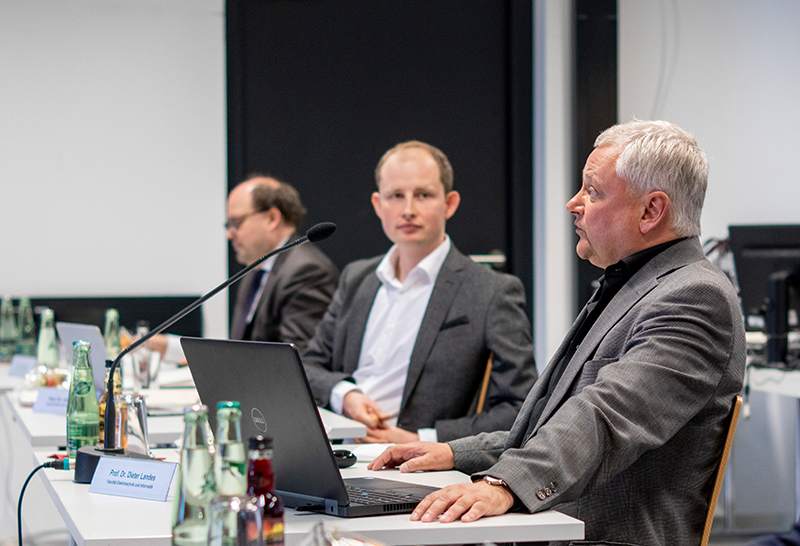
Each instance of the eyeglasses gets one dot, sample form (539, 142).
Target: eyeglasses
(234, 224)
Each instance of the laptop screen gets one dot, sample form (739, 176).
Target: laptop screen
(269, 381)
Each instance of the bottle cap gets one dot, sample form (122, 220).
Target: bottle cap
(261, 442)
(195, 408)
(228, 404)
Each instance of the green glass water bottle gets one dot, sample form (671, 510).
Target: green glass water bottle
(8, 330)
(111, 334)
(26, 328)
(195, 487)
(83, 416)
(230, 458)
(47, 348)
(141, 359)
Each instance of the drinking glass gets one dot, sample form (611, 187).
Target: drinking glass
(136, 424)
(235, 520)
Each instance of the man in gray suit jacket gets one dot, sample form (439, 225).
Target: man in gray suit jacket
(404, 345)
(625, 427)
(285, 298)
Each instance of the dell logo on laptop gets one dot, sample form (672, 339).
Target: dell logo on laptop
(258, 420)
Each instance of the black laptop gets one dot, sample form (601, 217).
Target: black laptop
(269, 381)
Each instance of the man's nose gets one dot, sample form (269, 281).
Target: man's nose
(409, 207)
(573, 204)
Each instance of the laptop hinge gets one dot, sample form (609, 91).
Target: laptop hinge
(302, 502)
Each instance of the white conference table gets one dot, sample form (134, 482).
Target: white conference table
(8, 382)
(49, 430)
(94, 519)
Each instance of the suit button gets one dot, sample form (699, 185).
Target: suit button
(540, 495)
(553, 486)
(547, 490)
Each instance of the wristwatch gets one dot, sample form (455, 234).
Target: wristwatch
(491, 480)
(499, 482)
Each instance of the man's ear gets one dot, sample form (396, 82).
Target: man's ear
(452, 200)
(274, 217)
(656, 207)
(376, 203)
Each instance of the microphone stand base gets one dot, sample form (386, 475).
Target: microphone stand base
(88, 456)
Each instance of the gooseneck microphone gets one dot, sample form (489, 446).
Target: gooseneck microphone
(85, 465)
(316, 233)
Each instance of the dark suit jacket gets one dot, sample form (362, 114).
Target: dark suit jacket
(295, 297)
(631, 437)
(472, 312)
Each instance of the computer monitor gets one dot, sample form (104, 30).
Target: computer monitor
(767, 261)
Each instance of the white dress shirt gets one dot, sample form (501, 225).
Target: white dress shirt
(391, 332)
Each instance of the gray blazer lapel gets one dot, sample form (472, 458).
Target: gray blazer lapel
(357, 321)
(520, 427)
(641, 283)
(444, 291)
(627, 297)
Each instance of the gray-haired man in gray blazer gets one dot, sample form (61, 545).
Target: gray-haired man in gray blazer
(625, 427)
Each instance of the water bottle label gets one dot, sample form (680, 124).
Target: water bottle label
(82, 388)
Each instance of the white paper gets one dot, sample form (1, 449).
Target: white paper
(21, 365)
(51, 400)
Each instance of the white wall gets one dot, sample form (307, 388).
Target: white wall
(728, 71)
(553, 174)
(113, 149)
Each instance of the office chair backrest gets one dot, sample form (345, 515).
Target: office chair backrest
(485, 385)
(726, 450)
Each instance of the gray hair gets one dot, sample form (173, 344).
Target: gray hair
(660, 156)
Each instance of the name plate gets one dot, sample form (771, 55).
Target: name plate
(135, 478)
(21, 365)
(51, 400)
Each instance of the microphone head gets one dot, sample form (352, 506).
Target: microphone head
(321, 231)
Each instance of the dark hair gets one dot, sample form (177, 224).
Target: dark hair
(445, 169)
(272, 193)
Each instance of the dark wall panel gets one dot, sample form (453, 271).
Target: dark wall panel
(596, 99)
(153, 309)
(318, 90)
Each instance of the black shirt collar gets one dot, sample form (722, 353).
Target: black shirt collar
(618, 274)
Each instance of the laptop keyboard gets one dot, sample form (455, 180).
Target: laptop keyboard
(361, 495)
